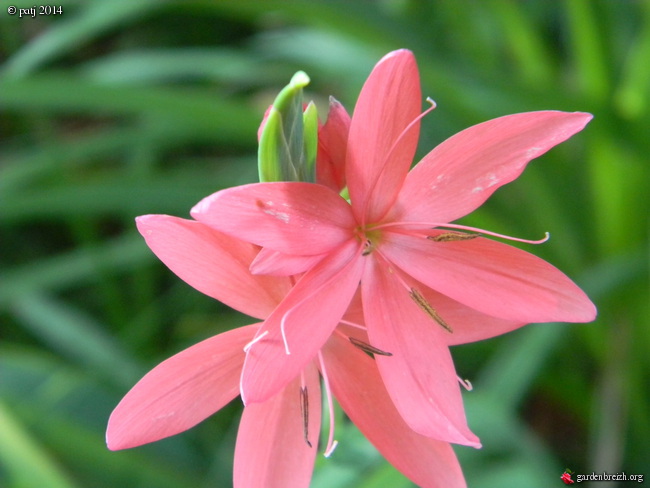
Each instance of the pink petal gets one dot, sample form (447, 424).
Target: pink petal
(420, 375)
(332, 147)
(268, 262)
(492, 277)
(213, 263)
(271, 450)
(360, 391)
(311, 311)
(290, 217)
(380, 152)
(181, 391)
(462, 172)
(469, 325)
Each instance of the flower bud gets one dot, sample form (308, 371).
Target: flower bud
(288, 138)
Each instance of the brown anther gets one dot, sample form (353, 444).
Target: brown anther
(428, 309)
(304, 409)
(453, 236)
(365, 347)
(368, 248)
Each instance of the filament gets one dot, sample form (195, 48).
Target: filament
(466, 383)
(284, 335)
(255, 340)
(330, 280)
(331, 443)
(390, 153)
(353, 324)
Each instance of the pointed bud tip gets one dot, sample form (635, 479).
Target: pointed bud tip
(299, 80)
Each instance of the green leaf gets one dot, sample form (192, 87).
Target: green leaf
(28, 465)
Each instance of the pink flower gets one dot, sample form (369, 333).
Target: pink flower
(424, 285)
(277, 439)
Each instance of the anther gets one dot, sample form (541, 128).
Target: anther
(428, 309)
(367, 249)
(453, 236)
(365, 347)
(304, 409)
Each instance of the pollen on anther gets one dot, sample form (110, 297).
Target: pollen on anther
(304, 410)
(367, 348)
(452, 236)
(428, 309)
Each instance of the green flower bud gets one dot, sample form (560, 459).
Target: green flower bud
(289, 137)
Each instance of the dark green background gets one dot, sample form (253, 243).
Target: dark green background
(115, 109)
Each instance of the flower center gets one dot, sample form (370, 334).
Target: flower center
(369, 237)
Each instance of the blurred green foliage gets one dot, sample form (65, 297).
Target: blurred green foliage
(114, 109)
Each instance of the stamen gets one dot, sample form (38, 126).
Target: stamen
(406, 130)
(434, 225)
(352, 324)
(332, 279)
(255, 340)
(331, 443)
(365, 347)
(417, 296)
(304, 410)
(329, 452)
(547, 235)
(428, 309)
(466, 383)
(284, 336)
(368, 248)
(452, 236)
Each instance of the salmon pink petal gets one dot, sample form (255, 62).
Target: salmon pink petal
(462, 172)
(181, 391)
(359, 389)
(268, 262)
(420, 375)
(468, 325)
(492, 277)
(290, 217)
(380, 151)
(271, 450)
(297, 329)
(213, 263)
(332, 147)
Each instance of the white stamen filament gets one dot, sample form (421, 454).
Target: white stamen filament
(466, 383)
(332, 279)
(390, 152)
(331, 443)
(394, 272)
(255, 340)
(329, 452)
(353, 324)
(284, 336)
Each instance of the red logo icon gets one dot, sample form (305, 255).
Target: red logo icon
(566, 477)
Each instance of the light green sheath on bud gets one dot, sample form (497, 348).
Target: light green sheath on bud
(289, 139)
(310, 141)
